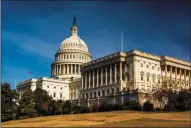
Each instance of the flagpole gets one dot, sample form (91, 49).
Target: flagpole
(122, 41)
(29, 75)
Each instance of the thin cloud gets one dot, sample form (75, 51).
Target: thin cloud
(31, 44)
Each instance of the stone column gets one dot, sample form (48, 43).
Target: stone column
(59, 69)
(93, 78)
(82, 81)
(64, 69)
(67, 68)
(111, 73)
(79, 69)
(85, 80)
(134, 70)
(189, 79)
(56, 69)
(90, 79)
(75, 69)
(171, 74)
(166, 72)
(185, 77)
(180, 77)
(115, 73)
(125, 73)
(120, 71)
(97, 77)
(176, 74)
(105, 75)
(101, 76)
(71, 68)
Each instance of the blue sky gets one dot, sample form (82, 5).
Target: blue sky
(33, 31)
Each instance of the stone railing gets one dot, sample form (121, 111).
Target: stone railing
(176, 60)
(27, 81)
(144, 54)
(104, 58)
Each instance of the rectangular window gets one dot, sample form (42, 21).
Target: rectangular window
(54, 94)
(60, 95)
(94, 94)
(142, 77)
(153, 79)
(107, 91)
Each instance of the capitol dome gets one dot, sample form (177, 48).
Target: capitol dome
(73, 52)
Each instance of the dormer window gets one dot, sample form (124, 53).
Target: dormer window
(141, 64)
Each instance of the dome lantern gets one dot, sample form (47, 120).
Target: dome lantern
(74, 29)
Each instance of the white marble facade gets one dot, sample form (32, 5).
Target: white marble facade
(56, 88)
(72, 53)
(74, 76)
(132, 70)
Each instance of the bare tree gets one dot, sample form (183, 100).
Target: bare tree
(160, 95)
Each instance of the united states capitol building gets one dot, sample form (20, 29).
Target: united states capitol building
(75, 77)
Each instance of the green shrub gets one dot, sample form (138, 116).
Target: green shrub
(125, 107)
(133, 105)
(169, 107)
(80, 109)
(148, 106)
(66, 111)
(157, 109)
(116, 107)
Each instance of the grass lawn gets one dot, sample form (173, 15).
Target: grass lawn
(106, 119)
